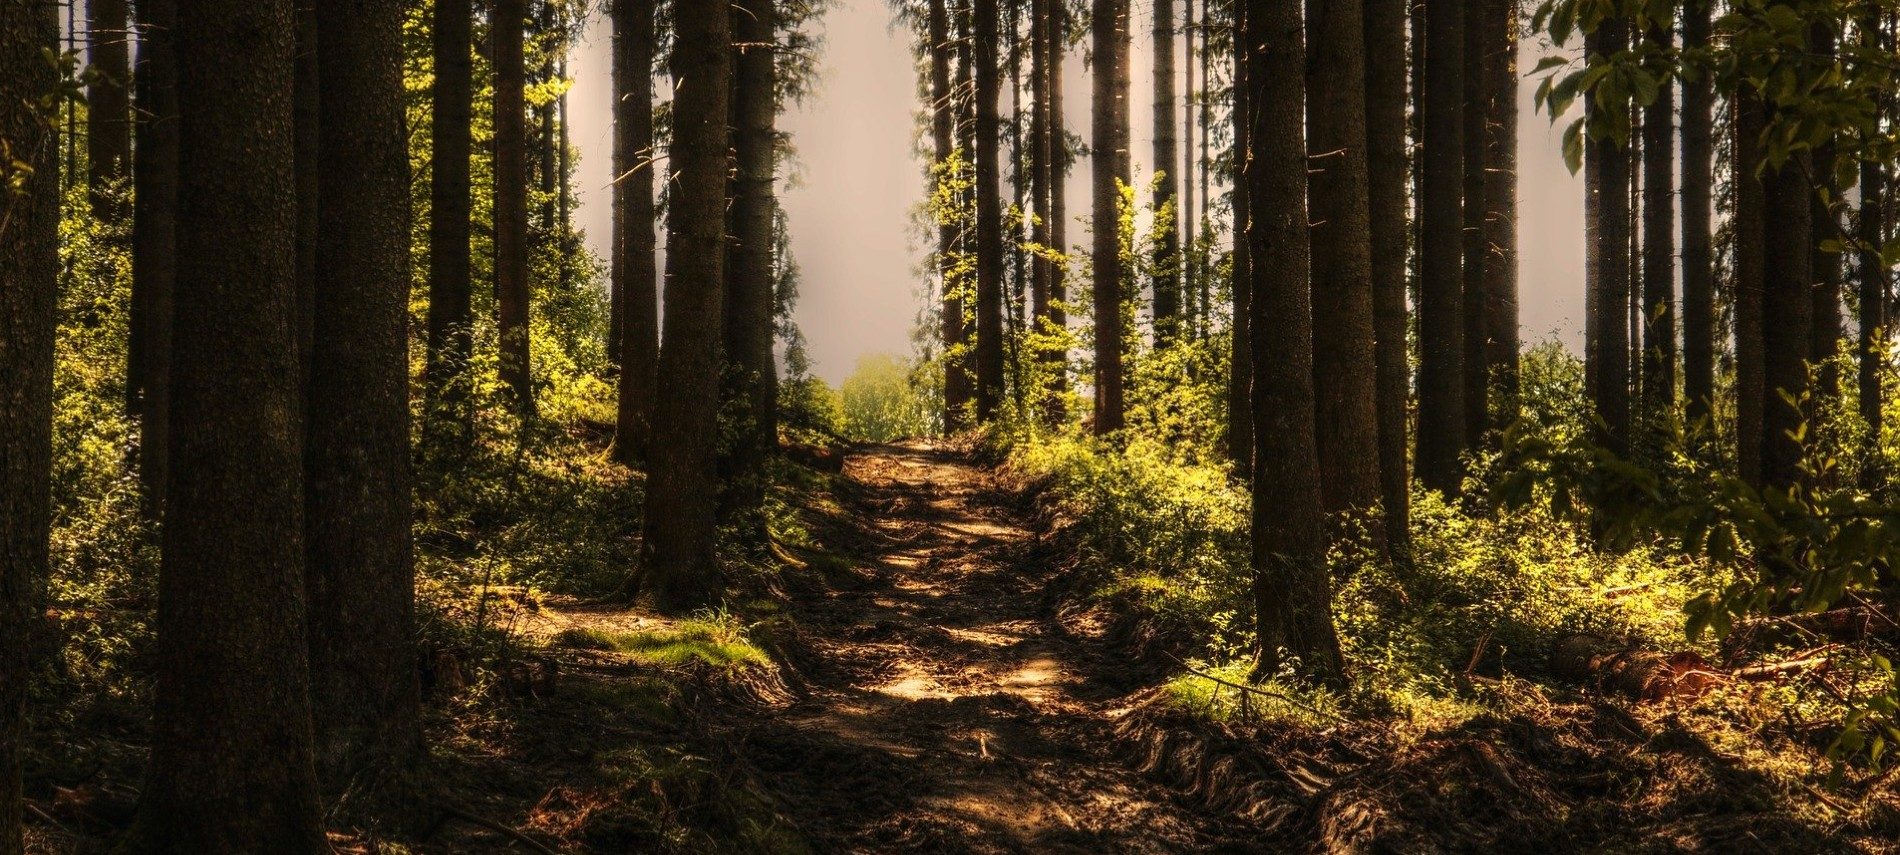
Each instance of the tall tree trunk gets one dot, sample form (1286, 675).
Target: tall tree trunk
(361, 575)
(681, 570)
(751, 373)
(1343, 337)
(1479, 41)
(1111, 143)
(1441, 382)
(943, 135)
(305, 112)
(450, 317)
(1607, 183)
(989, 214)
(1698, 251)
(621, 79)
(1167, 222)
(1058, 315)
(1292, 585)
(544, 120)
(1190, 272)
(959, 391)
(29, 267)
(1659, 248)
(506, 25)
(1041, 151)
(634, 38)
(1789, 300)
(1750, 227)
(1872, 270)
(1386, 161)
(1240, 441)
(154, 240)
(1826, 329)
(231, 767)
(1501, 336)
(108, 106)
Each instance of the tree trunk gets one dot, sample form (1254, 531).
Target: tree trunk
(451, 104)
(1659, 250)
(752, 377)
(305, 112)
(29, 265)
(1872, 270)
(1788, 299)
(1501, 336)
(544, 120)
(1110, 27)
(943, 136)
(231, 766)
(1607, 183)
(681, 570)
(639, 341)
(1825, 330)
(1343, 339)
(1389, 214)
(108, 106)
(361, 575)
(959, 390)
(1041, 152)
(1441, 382)
(1190, 273)
(1167, 218)
(1698, 251)
(1059, 158)
(154, 240)
(1750, 228)
(989, 215)
(1292, 586)
(1240, 442)
(1479, 41)
(506, 24)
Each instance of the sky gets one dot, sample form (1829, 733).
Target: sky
(851, 190)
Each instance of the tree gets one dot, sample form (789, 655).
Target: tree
(1659, 244)
(1191, 306)
(1167, 250)
(681, 571)
(943, 133)
(506, 25)
(154, 236)
(1240, 444)
(29, 267)
(1788, 299)
(1607, 220)
(361, 574)
(108, 105)
(1698, 250)
(1441, 381)
(637, 281)
(1388, 207)
(451, 102)
(305, 111)
(1292, 586)
(1345, 377)
(1825, 323)
(959, 389)
(1041, 153)
(1110, 28)
(1872, 269)
(1500, 314)
(752, 376)
(1750, 227)
(989, 214)
(231, 767)
(1479, 41)
(1056, 318)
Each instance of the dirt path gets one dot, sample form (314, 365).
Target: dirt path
(944, 710)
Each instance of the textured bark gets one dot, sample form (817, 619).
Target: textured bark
(1292, 587)
(943, 137)
(506, 24)
(108, 106)
(637, 243)
(1501, 336)
(681, 570)
(752, 377)
(305, 111)
(1343, 338)
(959, 390)
(1825, 329)
(231, 766)
(1787, 306)
(1698, 251)
(1750, 228)
(1041, 153)
(450, 316)
(1871, 278)
(154, 241)
(1607, 184)
(1191, 306)
(989, 214)
(1659, 248)
(1441, 381)
(29, 283)
(1474, 360)
(1240, 358)
(1110, 27)
(1386, 160)
(361, 576)
(1059, 157)
(1167, 251)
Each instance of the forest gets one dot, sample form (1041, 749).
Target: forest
(351, 502)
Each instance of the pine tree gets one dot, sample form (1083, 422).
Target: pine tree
(989, 214)
(451, 99)
(154, 240)
(506, 26)
(1607, 184)
(637, 280)
(1240, 440)
(1659, 246)
(1110, 31)
(751, 373)
(1698, 250)
(1386, 159)
(1441, 381)
(1167, 222)
(1501, 337)
(108, 105)
(1750, 227)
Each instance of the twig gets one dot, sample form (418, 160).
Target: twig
(42, 814)
(1266, 694)
(499, 828)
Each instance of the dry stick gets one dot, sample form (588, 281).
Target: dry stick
(1266, 694)
(499, 828)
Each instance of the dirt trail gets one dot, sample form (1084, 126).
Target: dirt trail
(944, 710)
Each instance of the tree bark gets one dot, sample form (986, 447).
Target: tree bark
(1386, 160)
(752, 375)
(305, 111)
(1788, 298)
(681, 570)
(1167, 219)
(1240, 440)
(361, 576)
(959, 391)
(1479, 41)
(1826, 324)
(1750, 228)
(154, 240)
(1041, 153)
(1340, 238)
(1191, 307)
(1501, 336)
(108, 106)
(231, 767)
(506, 24)
(943, 136)
(989, 215)
(1110, 26)
(29, 269)
(638, 285)
(1059, 158)
(1659, 249)
(1441, 382)
(450, 316)
(1607, 183)
(1292, 586)
(1872, 270)
(1698, 251)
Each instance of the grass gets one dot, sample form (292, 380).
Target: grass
(715, 639)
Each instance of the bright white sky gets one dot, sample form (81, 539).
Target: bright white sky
(851, 191)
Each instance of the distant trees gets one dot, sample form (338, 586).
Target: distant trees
(1111, 173)
(506, 26)
(450, 316)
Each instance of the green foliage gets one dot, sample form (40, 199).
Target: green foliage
(712, 638)
(880, 402)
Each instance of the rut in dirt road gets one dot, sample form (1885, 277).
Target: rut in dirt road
(945, 711)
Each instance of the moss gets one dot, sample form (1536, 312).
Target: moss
(716, 640)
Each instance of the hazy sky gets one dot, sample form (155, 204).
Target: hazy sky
(851, 191)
